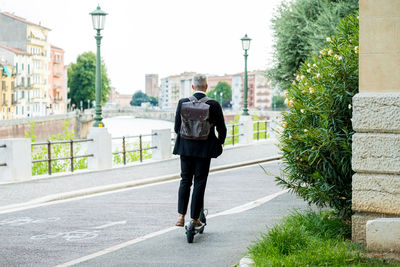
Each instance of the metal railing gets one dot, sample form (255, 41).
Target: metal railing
(71, 157)
(3, 164)
(140, 149)
(232, 134)
(258, 131)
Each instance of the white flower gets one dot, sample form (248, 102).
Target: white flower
(309, 64)
(318, 75)
(314, 65)
(350, 106)
(338, 57)
(286, 93)
(302, 77)
(309, 70)
(328, 39)
(311, 90)
(356, 49)
(305, 130)
(298, 77)
(304, 91)
(294, 82)
(322, 52)
(330, 52)
(302, 110)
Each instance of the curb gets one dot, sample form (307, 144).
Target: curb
(113, 187)
(246, 262)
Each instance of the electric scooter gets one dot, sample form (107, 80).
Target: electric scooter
(191, 231)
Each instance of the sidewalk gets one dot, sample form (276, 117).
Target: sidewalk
(81, 183)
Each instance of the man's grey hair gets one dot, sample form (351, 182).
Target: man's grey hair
(199, 81)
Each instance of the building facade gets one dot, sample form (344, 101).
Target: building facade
(32, 38)
(259, 94)
(173, 88)
(57, 91)
(213, 80)
(151, 85)
(7, 91)
(22, 67)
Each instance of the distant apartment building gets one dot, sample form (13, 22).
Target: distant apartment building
(174, 88)
(151, 85)
(7, 91)
(213, 80)
(118, 100)
(32, 38)
(57, 91)
(237, 91)
(259, 94)
(22, 67)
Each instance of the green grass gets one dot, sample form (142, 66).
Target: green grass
(311, 239)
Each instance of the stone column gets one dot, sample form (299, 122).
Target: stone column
(245, 130)
(17, 156)
(162, 140)
(376, 119)
(101, 148)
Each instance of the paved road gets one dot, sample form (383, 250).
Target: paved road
(22, 192)
(60, 232)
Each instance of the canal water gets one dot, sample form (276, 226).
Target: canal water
(128, 126)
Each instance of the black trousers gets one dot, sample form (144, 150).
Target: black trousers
(197, 168)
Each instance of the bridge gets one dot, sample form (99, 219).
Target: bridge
(80, 122)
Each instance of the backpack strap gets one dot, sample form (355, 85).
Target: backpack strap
(192, 98)
(204, 99)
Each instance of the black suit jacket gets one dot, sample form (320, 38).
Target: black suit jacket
(210, 148)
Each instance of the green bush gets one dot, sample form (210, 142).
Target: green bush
(311, 239)
(300, 28)
(317, 130)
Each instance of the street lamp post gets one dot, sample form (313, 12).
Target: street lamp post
(245, 45)
(98, 19)
(220, 97)
(215, 96)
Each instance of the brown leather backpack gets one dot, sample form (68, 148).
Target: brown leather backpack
(195, 119)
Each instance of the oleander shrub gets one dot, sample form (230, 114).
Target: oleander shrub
(317, 130)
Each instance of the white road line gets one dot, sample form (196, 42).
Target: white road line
(242, 208)
(109, 225)
(46, 201)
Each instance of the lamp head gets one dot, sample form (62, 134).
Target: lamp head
(245, 42)
(98, 18)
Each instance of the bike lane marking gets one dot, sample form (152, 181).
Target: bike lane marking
(238, 209)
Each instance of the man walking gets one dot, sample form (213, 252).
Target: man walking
(196, 151)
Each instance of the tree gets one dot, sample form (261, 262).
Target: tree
(138, 98)
(278, 102)
(225, 89)
(153, 100)
(300, 28)
(317, 129)
(82, 77)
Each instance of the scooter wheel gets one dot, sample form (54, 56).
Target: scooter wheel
(189, 236)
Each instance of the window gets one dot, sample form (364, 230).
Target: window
(22, 110)
(22, 67)
(16, 68)
(29, 69)
(16, 110)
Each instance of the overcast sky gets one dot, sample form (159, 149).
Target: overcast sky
(165, 37)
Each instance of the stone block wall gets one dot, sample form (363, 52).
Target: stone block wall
(376, 159)
(376, 117)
